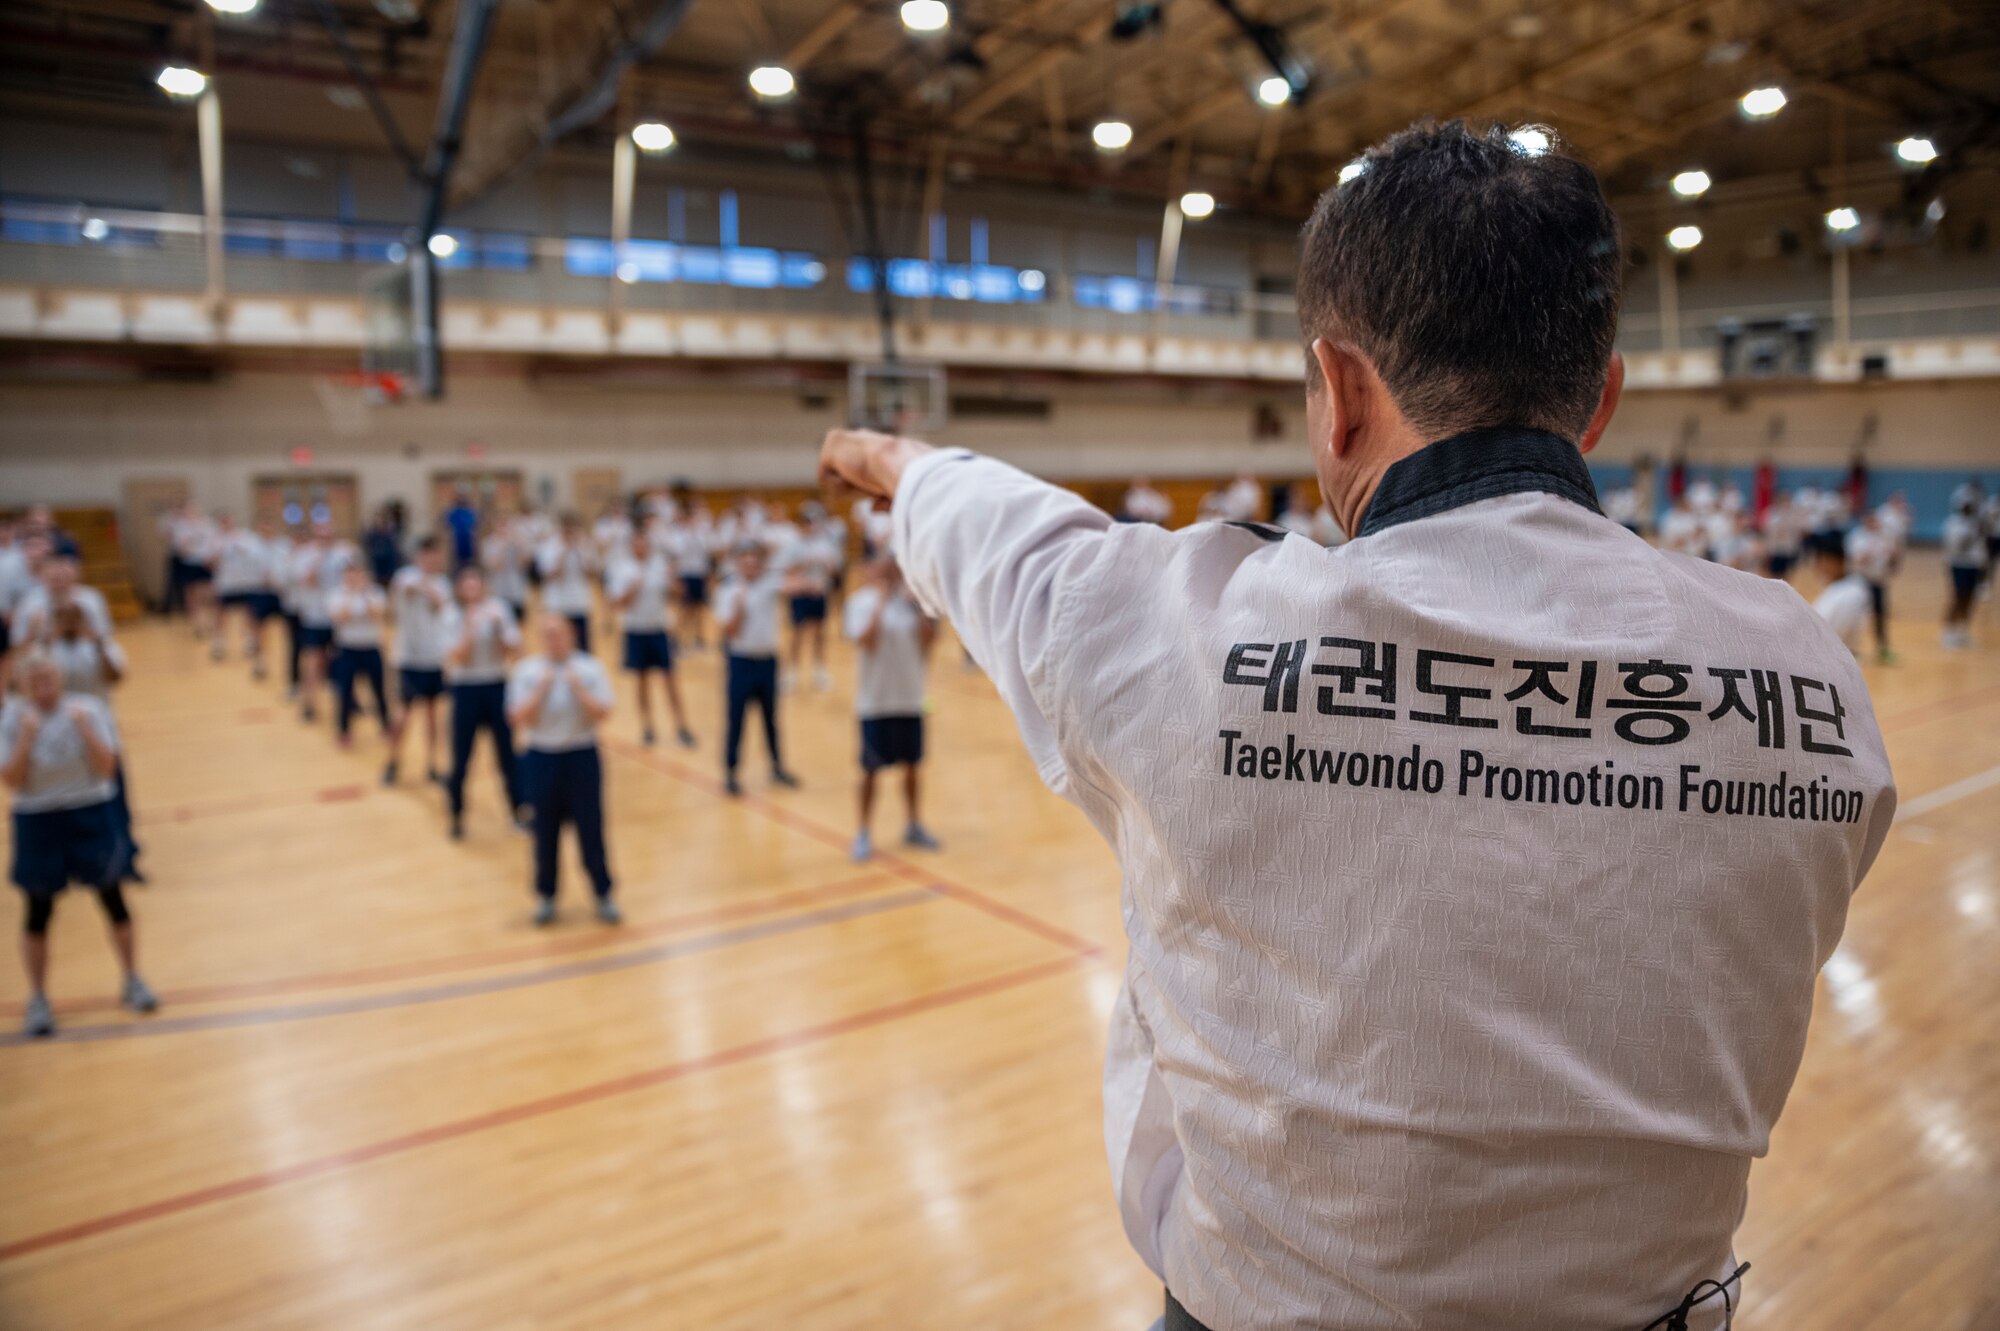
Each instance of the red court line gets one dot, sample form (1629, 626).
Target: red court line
(1942, 708)
(510, 1114)
(903, 868)
(424, 967)
(182, 813)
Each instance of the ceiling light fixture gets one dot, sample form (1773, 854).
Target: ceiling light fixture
(1684, 238)
(653, 137)
(925, 15)
(772, 81)
(1112, 136)
(1917, 151)
(180, 81)
(1197, 204)
(1762, 103)
(1691, 184)
(1274, 91)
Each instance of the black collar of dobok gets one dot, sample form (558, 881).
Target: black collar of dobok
(1479, 464)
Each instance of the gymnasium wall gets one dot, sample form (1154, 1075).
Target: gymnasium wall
(79, 443)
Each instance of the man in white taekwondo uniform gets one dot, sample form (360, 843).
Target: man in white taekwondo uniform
(1477, 872)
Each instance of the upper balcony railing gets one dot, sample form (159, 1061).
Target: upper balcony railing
(75, 246)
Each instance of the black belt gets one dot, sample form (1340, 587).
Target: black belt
(1180, 1319)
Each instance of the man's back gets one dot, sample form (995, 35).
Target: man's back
(1477, 874)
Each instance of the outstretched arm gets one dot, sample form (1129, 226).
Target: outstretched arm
(1008, 558)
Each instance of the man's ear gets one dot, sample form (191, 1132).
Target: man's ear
(1341, 379)
(1607, 402)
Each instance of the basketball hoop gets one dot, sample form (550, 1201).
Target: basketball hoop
(348, 396)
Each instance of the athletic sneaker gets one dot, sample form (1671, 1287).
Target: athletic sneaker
(646, 737)
(257, 669)
(915, 836)
(389, 773)
(138, 995)
(731, 786)
(457, 828)
(608, 912)
(215, 650)
(308, 715)
(38, 1020)
(545, 911)
(685, 736)
(863, 849)
(786, 779)
(437, 778)
(524, 818)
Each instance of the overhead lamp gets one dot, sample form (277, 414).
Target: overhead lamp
(772, 81)
(95, 228)
(652, 136)
(628, 272)
(1111, 136)
(1691, 184)
(1197, 204)
(443, 244)
(1530, 140)
(1917, 151)
(925, 15)
(180, 81)
(1683, 238)
(1842, 219)
(1274, 91)
(234, 8)
(1352, 169)
(1032, 279)
(1761, 103)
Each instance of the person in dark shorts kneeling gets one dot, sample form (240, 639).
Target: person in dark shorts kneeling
(892, 638)
(59, 755)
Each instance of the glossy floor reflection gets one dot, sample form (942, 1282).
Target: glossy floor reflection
(792, 1091)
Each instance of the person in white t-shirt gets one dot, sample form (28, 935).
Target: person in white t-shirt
(241, 566)
(1846, 601)
(481, 636)
(318, 569)
(1965, 564)
(358, 611)
(892, 637)
(419, 596)
(505, 552)
(567, 561)
(684, 538)
(59, 755)
(877, 527)
(746, 617)
(1872, 554)
(556, 701)
(640, 586)
(808, 558)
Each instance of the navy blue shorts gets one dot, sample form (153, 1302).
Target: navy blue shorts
(694, 589)
(649, 651)
(237, 600)
(312, 637)
(808, 609)
(1964, 579)
(265, 605)
(888, 741)
(197, 573)
(414, 682)
(64, 846)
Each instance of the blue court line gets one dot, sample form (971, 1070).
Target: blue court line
(340, 1007)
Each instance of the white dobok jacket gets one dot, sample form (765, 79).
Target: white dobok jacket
(1477, 874)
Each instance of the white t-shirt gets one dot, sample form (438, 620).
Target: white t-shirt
(808, 559)
(687, 544)
(1847, 607)
(242, 563)
(86, 664)
(316, 576)
(758, 603)
(420, 600)
(566, 573)
(1964, 542)
(561, 726)
(1146, 504)
(357, 616)
(59, 775)
(651, 583)
(495, 635)
(1450, 1000)
(892, 672)
(1872, 554)
(35, 618)
(504, 557)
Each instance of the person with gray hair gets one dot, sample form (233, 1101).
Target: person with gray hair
(1477, 872)
(59, 755)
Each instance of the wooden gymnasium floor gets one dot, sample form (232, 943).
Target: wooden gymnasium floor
(791, 1092)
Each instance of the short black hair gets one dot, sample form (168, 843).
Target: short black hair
(1480, 277)
(429, 542)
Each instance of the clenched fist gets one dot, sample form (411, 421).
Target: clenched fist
(867, 460)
